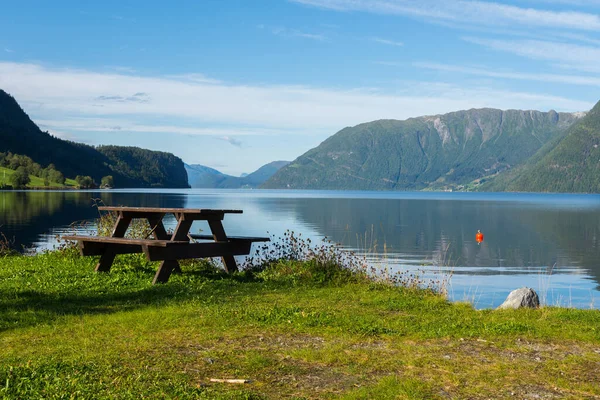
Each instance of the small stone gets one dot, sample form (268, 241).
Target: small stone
(523, 297)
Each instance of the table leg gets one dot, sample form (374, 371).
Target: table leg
(107, 258)
(168, 266)
(158, 229)
(160, 233)
(216, 227)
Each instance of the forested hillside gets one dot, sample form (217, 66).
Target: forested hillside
(130, 167)
(571, 165)
(454, 151)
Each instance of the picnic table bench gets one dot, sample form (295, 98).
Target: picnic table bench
(166, 247)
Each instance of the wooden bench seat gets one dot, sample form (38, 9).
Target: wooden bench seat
(118, 240)
(161, 250)
(231, 238)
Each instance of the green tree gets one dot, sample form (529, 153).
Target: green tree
(20, 178)
(107, 181)
(56, 176)
(85, 182)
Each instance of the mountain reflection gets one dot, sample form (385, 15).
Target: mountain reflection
(527, 236)
(524, 234)
(26, 215)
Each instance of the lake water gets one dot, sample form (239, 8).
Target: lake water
(549, 242)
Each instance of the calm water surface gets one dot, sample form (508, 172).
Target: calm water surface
(548, 242)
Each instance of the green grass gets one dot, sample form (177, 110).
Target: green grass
(292, 330)
(36, 182)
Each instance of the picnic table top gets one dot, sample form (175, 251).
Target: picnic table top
(168, 210)
(133, 241)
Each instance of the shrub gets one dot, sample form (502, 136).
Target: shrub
(20, 178)
(138, 228)
(107, 181)
(295, 259)
(85, 182)
(6, 246)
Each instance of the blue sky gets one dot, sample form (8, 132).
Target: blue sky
(236, 84)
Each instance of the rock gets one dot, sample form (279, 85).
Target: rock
(523, 297)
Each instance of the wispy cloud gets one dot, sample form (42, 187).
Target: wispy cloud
(118, 68)
(231, 140)
(305, 35)
(579, 57)
(387, 41)
(70, 100)
(541, 77)
(139, 97)
(476, 12)
(589, 3)
(195, 78)
(390, 63)
(576, 37)
(120, 124)
(6, 49)
(286, 32)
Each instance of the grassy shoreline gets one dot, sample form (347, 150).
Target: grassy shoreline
(292, 330)
(36, 182)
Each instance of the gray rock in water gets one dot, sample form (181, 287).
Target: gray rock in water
(523, 297)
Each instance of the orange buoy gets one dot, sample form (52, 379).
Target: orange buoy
(479, 237)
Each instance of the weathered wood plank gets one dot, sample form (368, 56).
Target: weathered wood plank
(196, 250)
(216, 228)
(168, 210)
(88, 248)
(125, 241)
(167, 267)
(108, 256)
(231, 238)
(180, 234)
(158, 229)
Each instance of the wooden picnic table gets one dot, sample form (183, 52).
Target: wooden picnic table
(165, 247)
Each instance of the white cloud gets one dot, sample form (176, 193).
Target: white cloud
(577, 37)
(589, 3)
(197, 78)
(70, 101)
(6, 49)
(577, 56)
(231, 140)
(305, 35)
(286, 32)
(118, 68)
(476, 12)
(390, 63)
(123, 126)
(541, 77)
(387, 41)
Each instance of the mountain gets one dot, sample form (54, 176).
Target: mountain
(129, 166)
(571, 165)
(458, 150)
(146, 167)
(201, 176)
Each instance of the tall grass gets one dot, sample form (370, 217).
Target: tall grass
(299, 259)
(7, 246)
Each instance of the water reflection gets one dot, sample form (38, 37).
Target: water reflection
(537, 240)
(24, 216)
(516, 236)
